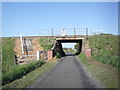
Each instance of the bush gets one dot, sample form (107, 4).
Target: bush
(18, 71)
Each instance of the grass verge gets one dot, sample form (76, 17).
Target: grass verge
(107, 74)
(30, 77)
(18, 71)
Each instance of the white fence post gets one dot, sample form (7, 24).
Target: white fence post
(38, 55)
(21, 43)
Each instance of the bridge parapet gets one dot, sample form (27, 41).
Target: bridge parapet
(68, 38)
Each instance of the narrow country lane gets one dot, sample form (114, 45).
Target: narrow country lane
(68, 73)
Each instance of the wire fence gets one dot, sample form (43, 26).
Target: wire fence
(54, 32)
(70, 31)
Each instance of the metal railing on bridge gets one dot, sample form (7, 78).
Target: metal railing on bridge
(70, 32)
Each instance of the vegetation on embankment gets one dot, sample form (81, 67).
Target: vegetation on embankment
(30, 77)
(7, 54)
(46, 43)
(107, 74)
(18, 71)
(11, 71)
(105, 49)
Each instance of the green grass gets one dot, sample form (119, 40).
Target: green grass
(11, 71)
(107, 74)
(30, 77)
(46, 43)
(7, 54)
(83, 58)
(18, 71)
(105, 49)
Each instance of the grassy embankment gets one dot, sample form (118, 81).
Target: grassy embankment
(19, 71)
(104, 61)
(105, 49)
(7, 54)
(11, 71)
(30, 77)
(47, 44)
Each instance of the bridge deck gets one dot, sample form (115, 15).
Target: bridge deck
(70, 38)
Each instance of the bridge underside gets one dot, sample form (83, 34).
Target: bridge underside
(69, 41)
(79, 41)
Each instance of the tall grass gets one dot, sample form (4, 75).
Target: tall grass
(105, 49)
(7, 54)
(18, 71)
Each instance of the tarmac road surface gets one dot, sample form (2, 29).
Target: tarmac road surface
(68, 73)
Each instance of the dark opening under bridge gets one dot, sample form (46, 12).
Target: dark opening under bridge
(59, 41)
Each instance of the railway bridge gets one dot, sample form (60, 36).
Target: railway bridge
(59, 41)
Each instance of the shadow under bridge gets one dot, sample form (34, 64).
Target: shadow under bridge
(59, 41)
